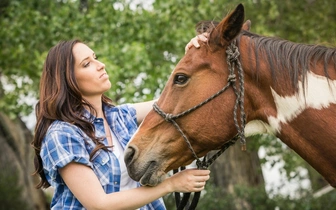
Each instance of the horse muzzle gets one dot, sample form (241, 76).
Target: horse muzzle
(145, 171)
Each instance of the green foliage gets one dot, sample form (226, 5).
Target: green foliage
(276, 152)
(140, 47)
(214, 198)
(133, 41)
(307, 202)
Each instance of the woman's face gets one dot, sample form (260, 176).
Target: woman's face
(90, 73)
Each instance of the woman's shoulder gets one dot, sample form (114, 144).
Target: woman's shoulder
(66, 135)
(62, 129)
(123, 108)
(62, 126)
(124, 113)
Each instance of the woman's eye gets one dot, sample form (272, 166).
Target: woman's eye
(87, 64)
(180, 79)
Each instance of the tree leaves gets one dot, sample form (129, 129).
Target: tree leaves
(135, 41)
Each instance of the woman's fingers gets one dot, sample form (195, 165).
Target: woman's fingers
(199, 185)
(195, 41)
(191, 180)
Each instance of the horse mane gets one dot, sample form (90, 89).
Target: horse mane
(282, 55)
(296, 58)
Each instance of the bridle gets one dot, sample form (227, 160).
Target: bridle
(232, 61)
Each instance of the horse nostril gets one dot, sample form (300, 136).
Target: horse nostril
(129, 154)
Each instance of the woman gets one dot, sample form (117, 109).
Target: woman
(80, 137)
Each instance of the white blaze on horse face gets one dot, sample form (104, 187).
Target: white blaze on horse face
(319, 93)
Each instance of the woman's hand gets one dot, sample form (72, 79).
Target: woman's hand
(189, 180)
(195, 41)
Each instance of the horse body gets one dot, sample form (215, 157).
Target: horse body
(290, 91)
(302, 116)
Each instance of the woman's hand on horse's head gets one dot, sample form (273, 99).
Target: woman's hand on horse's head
(195, 41)
(189, 180)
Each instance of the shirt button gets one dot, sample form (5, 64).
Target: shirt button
(115, 183)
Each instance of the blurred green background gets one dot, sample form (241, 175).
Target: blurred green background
(140, 42)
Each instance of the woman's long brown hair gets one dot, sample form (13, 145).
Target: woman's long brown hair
(60, 99)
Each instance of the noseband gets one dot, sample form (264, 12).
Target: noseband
(232, 61)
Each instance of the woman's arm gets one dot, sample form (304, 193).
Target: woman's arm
(142, 109)
(86, 187)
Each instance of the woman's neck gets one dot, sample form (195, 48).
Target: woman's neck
(96, 103)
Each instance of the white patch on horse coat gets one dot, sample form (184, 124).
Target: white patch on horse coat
(319, 93)
(256, 127)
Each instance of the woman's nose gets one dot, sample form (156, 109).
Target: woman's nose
(100, 65)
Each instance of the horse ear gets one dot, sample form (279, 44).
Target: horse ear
(247, 25)
(231, 25)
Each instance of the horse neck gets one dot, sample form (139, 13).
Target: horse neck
(259, 103)
(301, 112)
(271, 85)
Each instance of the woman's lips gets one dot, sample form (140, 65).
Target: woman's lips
(103, 75)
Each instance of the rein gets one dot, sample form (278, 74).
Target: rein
(232, 61)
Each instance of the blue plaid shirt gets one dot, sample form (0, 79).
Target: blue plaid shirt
(65, 143)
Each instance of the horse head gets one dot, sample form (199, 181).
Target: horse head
(158, 145)
(285, 88)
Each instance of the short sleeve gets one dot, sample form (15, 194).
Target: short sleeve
(128, 113)
(62, 145)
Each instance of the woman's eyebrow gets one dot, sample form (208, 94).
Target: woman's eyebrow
(93, 54)
(83, 60)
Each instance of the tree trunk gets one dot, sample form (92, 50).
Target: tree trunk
(16, 167)
(236, 168)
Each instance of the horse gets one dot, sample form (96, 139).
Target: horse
(238, 84)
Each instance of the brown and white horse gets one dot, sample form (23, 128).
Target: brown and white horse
(281, 87)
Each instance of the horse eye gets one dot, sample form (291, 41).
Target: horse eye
(180, 79)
